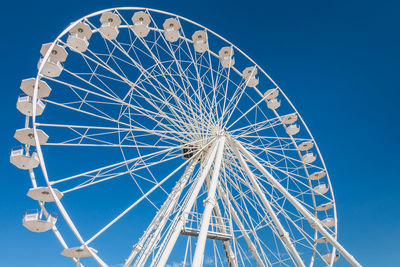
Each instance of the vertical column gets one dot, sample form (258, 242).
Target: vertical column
(161, 217)
(181, 221)
(210, 203)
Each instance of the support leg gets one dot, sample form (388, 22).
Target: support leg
(161, 218)
(283, 234)
(311, 218)
(188, 206)
(250, 245)
(230, 256)
(210, 203)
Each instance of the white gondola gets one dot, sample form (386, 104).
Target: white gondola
(249, 74)
(226, 56)
(78, 252)
(271, 94)
(22, 160)
(328, 222)
(171, 29)
(141, 21)
(322, 240)
(109, 25)
(289, 119)
(193, 222)
(327, 257)
(321, 189)
(26, 136)
(79, 35)
(307, 145)
(200, 41)
(43, 194)
(325, 206)
(316, 175)
(273, 103)
(292, 129)
(33, 222)
(308, 158)
(58, 54)
(25, 106)
(52, 67)
(28, 85)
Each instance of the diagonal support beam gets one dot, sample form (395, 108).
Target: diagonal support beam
(283, 234)
(230, 256)
(188, 206)
(250, 245)
(210, 203)
(310, 217)
(152, 234)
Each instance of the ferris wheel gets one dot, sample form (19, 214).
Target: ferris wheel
(155, 138)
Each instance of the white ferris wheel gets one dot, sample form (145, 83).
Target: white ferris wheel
(144, 120)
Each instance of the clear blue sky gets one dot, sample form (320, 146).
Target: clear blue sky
(338, 61)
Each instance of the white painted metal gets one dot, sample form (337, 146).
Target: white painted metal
(252, 248)
(328, 256)
(26, 136)
(271, 94)
(109, 25)
(79, 35)
(43, 194)
(141, 21)
(23, 160)
(317, 175)
(50, 68)
(77, 43)
(57, 52)
(289, 119)
(210, 203)
(178, 227)
(159, 221)
(328, 222)
(292, 129)
(308, 158)
(32, 221)
(38, 142)
(322, 240)
(78, 252)
(307, 145)
(283, 234)
(321, 189)
(226, 57)
(27, 86)
(324, 207)
(171, 29)
(189, 112)
(273, 104)
(249, 74)
(318, 225)
(224, 229)
(200, 41)
(25, 105)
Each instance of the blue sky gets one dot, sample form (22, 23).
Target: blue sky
(338, 61)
